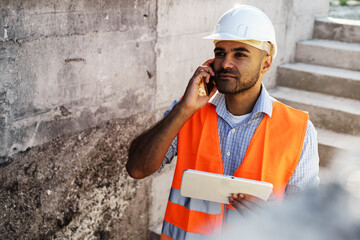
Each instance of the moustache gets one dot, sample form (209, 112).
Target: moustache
(228, 70)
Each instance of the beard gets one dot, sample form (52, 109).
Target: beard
(240, 82)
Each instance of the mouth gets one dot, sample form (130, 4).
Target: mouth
(226, 75)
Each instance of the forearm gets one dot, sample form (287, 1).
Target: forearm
(148, 150)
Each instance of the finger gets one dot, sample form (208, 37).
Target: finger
(202, 76)
(236, 204)
(207, 69)
(196, 82)
(239, 200)
(207, 78)
(209, 62)
(255, 201)
(249, 205)
(261, 202)
(242, 209)
(211, 71)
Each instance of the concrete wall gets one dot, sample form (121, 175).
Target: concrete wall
(76, 187)
(66, 69)
(79, 79)
(70, 65)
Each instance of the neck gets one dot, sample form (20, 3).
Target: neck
(243, 102)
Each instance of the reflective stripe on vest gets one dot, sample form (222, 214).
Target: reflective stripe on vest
(192, 221)
(232, 216)
(272, 156)
(194, 204)
(179, 234)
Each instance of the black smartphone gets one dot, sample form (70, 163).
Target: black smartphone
(209, 86)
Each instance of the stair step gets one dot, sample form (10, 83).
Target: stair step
(315, 78)
(338, 140)
(328, 112)
(329, 53)
(337, 146)
(344, 30)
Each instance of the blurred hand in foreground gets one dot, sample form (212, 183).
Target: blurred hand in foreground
(247, 204)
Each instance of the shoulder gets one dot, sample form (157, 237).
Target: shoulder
(311, 133)
(206, 113)
(287, 113)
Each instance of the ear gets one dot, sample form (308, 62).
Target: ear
(266, 64)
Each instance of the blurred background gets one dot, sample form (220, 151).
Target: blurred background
(79, 79)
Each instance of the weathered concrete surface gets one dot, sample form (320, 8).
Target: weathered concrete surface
(338, 146)
(76, 187)
(68, 66)
(328, 112)
(314, 78)
(65, 67)
(337, 29)
(298, 25)
(322, 52)
(161, 185)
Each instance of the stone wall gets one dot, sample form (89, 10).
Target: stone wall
(79, 79)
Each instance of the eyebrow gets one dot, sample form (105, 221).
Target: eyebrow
(240, 49)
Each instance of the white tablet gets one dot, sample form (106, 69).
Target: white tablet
(217, 188)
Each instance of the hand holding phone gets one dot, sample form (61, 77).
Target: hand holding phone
(209, 86)
(195, 96)
(205, 88)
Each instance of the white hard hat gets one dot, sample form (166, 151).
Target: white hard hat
(245, 22)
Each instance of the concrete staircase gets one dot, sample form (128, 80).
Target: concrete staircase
(325, 81)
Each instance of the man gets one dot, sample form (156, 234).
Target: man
(241, 132)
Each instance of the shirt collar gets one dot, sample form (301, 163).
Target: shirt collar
(263, 104)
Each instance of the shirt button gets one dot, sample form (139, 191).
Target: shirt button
(228, 153)
(233, 130)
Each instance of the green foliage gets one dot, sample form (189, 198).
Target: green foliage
(343, 2)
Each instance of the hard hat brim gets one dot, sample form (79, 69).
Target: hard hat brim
(230, 37)
(227, 36)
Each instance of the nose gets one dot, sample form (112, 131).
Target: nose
(227, 62)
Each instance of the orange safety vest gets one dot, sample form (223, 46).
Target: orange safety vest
(272, 156)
